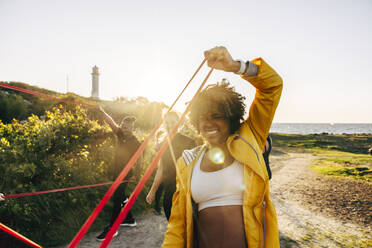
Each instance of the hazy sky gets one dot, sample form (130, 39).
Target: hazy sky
(322, 49)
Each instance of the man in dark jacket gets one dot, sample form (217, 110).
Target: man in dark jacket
(127, 145)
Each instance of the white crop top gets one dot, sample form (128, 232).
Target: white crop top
(218, 188)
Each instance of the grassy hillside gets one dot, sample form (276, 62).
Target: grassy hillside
(18, 105)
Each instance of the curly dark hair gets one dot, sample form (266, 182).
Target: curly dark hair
(223, 97)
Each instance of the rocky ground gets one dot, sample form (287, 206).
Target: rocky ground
(313, 210)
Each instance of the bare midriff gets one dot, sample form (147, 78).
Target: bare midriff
(221, 227)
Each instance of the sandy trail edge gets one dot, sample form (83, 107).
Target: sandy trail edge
(298, 226)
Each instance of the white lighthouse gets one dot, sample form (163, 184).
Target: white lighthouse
(95, 82)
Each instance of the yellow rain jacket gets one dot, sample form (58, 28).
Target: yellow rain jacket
(246, 145)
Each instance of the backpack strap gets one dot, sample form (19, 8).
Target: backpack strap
(270, 144)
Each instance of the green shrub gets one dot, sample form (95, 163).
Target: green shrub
(63, 149)
(66, 149)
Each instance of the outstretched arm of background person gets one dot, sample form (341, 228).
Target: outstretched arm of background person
(158, 179)
(114, 126)
(2, 197)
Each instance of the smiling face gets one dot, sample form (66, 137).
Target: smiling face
(217, 107)
(214, 127)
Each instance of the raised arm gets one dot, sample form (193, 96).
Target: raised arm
(114, 126)
(268, 86)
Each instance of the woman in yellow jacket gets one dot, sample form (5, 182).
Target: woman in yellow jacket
(222, 197)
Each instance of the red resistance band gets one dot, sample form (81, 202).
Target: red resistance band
(149, 171)
(121, 176)
(59, 190)
(31, 92)
(19, 236)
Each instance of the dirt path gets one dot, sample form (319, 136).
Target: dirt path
(308, 221)
(301, 224)
(147, 234)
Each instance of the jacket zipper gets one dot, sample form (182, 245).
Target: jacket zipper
(263, 223)
(263, 202)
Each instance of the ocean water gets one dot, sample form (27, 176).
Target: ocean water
(312, 128)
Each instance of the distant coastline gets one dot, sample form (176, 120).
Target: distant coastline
(318, 128)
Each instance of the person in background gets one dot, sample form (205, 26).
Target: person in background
(127, 145)
(223, 197)
(166, 173)
(2, 197)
